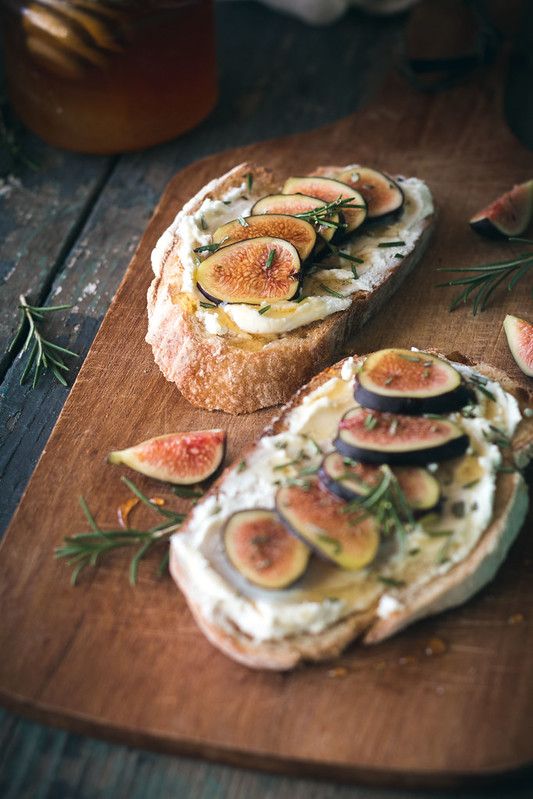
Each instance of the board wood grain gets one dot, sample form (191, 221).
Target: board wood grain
(129, 663)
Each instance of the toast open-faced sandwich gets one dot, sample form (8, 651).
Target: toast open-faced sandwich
(388, 489)
(260, 281)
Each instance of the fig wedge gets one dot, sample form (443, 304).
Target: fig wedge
(373, 437)
(322, 520)
(519, 335)
(251, 271)
(300, 233)
(260, 548)
(179, 458)
(509, 215)
(403, 381)
(382, 194)
(329, 190)
(295, 204)
(351, 479)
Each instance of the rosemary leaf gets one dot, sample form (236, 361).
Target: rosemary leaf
(331, 291)
(207, 248)
(270, 259)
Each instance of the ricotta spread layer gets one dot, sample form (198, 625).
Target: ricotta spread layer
(326, 593)
(326, 289)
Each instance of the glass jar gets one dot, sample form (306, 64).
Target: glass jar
(104, 76)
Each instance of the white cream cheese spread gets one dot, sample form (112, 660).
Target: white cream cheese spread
(326, 593)
(325, 291)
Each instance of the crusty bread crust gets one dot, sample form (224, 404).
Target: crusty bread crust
(212, 371)
(448, 590)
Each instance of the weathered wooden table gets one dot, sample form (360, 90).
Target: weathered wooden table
(68, 230)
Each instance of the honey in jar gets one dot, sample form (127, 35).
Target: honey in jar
(104, 76)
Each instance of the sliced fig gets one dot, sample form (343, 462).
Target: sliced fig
(300, 233)
(351, 479)
(374, 437)
(251, 271)
(295, 204)
(180, 458)
(420, 488)
(402, 381)
(520, 339)
(509, 215)
(382, 194)
(329, 190)
(348, 539)
(260, 548)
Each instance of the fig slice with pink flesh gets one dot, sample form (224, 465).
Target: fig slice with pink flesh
(382, 194)
(295, 204)
(350, 539)
(179, 458)
(508, 215)
(374, 437)
(329, 190)
(519, 335)
(251, 271)
(262, 550)
(350, 479)
(280, 226)
(403, 381)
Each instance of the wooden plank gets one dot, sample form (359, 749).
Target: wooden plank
(41, 214)
(422, 722)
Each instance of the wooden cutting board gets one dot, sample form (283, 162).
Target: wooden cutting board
(129, 663)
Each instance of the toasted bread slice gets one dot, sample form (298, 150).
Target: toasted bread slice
(445, 590)
(235, 371)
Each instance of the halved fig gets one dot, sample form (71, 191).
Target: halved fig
(329, 190)
(280, 226)
(351, 479)
(403, 381)
(260, 548)
(348, 539)
(509, 215)
(382, 194)
(519, 335)
(180, 458)
(374, 437)
(295, 204)
(251, 271)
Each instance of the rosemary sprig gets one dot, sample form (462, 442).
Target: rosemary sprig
(387, 503)
(320, 214)
(43, 354)
(86, 549)
(481, 281)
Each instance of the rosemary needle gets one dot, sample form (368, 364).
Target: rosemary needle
(43, 354)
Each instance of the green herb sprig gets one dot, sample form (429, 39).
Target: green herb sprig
(43, 354)
(387, 503)
(320, 214)
(480, 282)
(86, 549)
